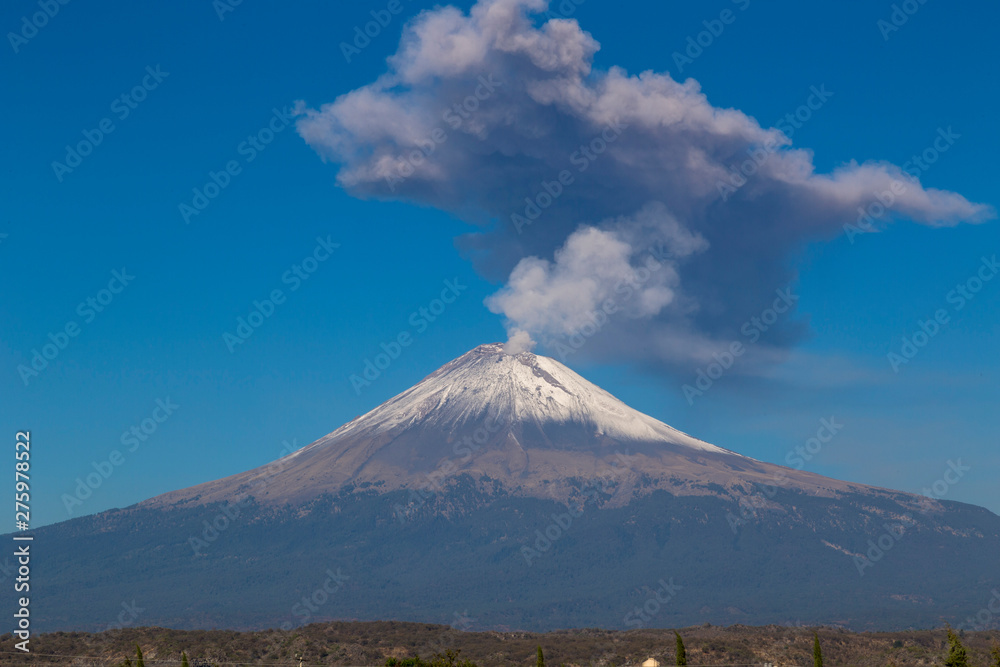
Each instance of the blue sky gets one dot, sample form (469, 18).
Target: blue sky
(220, 82)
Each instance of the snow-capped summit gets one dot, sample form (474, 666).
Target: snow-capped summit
(487, 386)
(522, 420)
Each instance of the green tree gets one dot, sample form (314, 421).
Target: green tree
(996, 655)
(817, 651)
(138, 657)
(541, 658)
(184, 660)
(957, 657)
(682, 659)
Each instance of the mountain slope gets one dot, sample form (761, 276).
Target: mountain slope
(524, 421)
(508, 487)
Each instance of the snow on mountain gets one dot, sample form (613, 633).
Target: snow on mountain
(521, 420)
(487, 385)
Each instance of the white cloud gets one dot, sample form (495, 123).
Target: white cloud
(597, 270)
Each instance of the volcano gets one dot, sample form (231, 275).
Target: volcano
(509, 489)
(524, 422)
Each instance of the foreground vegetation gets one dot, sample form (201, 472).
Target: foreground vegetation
(424, 645)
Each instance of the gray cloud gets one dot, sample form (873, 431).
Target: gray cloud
(573, 174)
